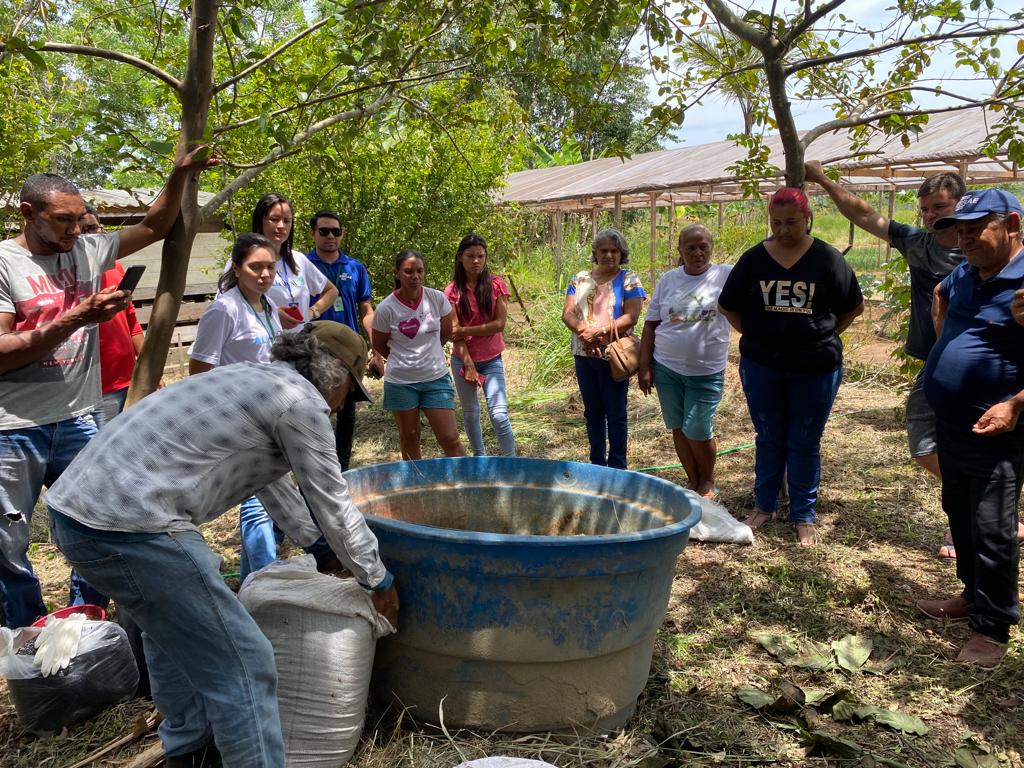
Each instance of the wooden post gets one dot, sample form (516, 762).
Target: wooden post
(593, 222)
(654, 237)
(556, 232)
(878, 247)
(892, 212)
(671, 230)
(721, 214)
(618, 212)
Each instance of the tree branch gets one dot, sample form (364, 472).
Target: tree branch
(289, 43)
(898, 43)
(853, 122)
(244, 178)
(809, 20)
(744, 31)
(340, 94)
(103, 53)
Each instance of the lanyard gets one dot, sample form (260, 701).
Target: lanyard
(266, 314)
(287, 284)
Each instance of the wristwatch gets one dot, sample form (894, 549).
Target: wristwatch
(314, 312)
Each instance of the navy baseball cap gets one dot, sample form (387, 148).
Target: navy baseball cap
(978, 204)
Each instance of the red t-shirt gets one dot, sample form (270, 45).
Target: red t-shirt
(481, 348)
(117, 353)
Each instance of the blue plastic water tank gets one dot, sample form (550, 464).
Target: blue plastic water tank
(531, 590)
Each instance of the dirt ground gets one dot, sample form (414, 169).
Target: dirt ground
(880, 526)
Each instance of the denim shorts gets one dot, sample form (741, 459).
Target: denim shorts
(688, 402)
(438, 393)
(920, 422)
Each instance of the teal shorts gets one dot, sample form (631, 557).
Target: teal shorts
(438, 393)
(688, 402)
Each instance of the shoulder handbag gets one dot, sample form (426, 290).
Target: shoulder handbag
(623, 355)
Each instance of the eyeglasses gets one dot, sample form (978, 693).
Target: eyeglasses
(92, 229)
(325, 231)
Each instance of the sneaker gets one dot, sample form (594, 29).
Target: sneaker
(952, 609)
(982, 651)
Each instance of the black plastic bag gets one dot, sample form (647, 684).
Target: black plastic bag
(103, 673)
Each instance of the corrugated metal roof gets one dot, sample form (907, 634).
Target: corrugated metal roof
(949, 142)
(109, 201)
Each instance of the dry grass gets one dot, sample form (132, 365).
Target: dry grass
(880, 527)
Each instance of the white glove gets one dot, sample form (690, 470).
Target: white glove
(57, 643)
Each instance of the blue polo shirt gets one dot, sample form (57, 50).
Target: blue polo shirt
(979, 359)
(352, 280)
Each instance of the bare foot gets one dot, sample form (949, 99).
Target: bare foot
(759, 517)
(806, 534)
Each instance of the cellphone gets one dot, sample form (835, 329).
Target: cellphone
(293, 311)
(131, 278)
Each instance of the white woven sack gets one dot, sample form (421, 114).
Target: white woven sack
(324, 631)
(716, 524)
(504, 762)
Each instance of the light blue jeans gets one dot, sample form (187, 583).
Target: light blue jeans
(260, 537)
(211, 668)
(493, 372)
(30, 458)
(110, 405)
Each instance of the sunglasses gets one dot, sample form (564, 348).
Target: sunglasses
(325, 231)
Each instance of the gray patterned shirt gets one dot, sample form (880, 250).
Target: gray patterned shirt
(187, 453)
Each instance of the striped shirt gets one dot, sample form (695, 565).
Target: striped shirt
(187, 453)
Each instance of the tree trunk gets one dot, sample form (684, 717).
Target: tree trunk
(790, 137)
(196, 93)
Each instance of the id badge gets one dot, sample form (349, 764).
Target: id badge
(339, 305)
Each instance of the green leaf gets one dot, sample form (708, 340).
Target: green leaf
(828, 705)
(852, 651)
(900, 721)
(812, 656)
(834, 745)
(844, 710)
(782, 647)
(967, 756)
(160, 147)
(754, 697)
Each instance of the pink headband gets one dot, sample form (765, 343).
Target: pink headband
(791, 196)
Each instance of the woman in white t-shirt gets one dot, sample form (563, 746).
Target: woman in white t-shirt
(239, 327)
(683, 354)
(410, 328)
(297, 279)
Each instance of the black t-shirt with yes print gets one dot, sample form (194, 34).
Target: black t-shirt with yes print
(789, 315)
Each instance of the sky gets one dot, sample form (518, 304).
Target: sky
(715, 118)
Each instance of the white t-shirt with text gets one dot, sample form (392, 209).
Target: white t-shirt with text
(231, 331)
(693, 336)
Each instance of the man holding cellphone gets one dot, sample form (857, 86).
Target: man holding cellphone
(50, 304)
(353, 307)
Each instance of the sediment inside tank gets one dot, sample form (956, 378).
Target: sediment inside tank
(516, 510)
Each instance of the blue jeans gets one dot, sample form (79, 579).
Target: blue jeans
(493, 372)
(110, 405)
(789, 412)
(604, 408)
(211, 668)
(30, 458)
(260, 537)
